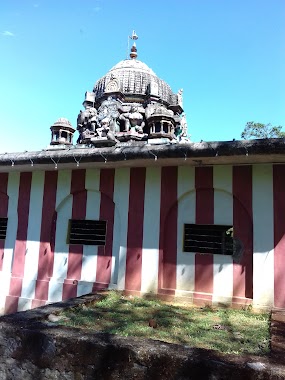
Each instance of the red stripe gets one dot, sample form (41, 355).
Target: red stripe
(279, 234)
(168, 229)
(48, 211)
(11, 304)
(23, 218)
(52, 246)
(41, 290)
(242, 216)
(204, 215)
(76, 250)
(135, 229)
(37, 303)
(107, 207)
(20, 244)
(99, 286)
(4, 200)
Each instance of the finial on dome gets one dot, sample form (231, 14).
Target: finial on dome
(134, 37)
(133, 53)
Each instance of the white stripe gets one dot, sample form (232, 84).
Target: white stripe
(5, 279)
(84, 288)
(33, 235)
(24, 304)
(55, 291)
(121, 199)
(185, 270)
(63, 186)
(64, 213)
(92, 179)
(223, 199)
(151, 224)
(13, 193)
(115, 248)
(263, 238)
(90, 252)
(223, 214)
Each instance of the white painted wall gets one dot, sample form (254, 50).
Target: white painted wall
(64, 211)
(121, 200)
(185, 271)
(90, 252)
(151, 227)
(263, 238)
(33, 235)
(13, 193)
(223, 214)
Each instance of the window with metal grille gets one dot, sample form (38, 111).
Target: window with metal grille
(3, 228)
(214, 239)
(87, 232)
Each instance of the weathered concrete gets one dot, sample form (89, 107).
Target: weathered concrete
(32, 347)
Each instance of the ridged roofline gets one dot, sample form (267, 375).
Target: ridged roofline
(133, 64)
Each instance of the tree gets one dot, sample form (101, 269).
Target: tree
(261, 131)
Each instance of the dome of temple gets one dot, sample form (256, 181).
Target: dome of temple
(62, 121)
(133, 77)
(131, 103)
(62, 132)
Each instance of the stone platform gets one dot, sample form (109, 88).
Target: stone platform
(32, 347)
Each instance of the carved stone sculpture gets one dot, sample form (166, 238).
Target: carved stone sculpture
(157, 109)
(113, 85)
(87, 122)
(95, 128)
(109, 109)
(104, 130)
(183, 124)
(180, 98)
(133, 120)
(130, 103)
(87, 119)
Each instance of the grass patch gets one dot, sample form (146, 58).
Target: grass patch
(225, 330)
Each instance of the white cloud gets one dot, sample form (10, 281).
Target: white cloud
(97, 9)
(7, 33)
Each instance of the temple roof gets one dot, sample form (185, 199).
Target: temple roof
(134, 77)
(137, 154)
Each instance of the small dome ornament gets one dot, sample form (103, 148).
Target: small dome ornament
(134, 37)
(133, 53)
(62, 132)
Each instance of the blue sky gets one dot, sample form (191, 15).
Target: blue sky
(227, 55)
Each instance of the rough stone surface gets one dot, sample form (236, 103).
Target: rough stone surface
(278, 335)
(30, 348)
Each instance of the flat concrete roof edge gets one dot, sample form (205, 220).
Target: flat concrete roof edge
(139, 151)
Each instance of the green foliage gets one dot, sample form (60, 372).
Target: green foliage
(261, 131)
(222, 329)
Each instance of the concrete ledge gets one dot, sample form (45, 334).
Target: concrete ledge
(31, 347)
(137, 154)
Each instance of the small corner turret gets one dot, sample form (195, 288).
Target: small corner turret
(62, 132)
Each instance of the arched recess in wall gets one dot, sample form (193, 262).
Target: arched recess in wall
(227, 210)
(85, 205)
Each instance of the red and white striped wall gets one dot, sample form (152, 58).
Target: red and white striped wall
(145, 209)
